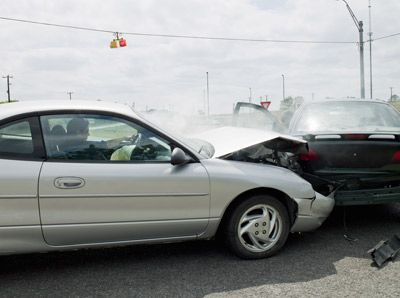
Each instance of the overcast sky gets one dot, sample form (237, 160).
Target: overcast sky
(155, 72)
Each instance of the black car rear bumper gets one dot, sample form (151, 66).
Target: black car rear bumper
(367, 196)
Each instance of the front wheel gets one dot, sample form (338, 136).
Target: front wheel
(258, 227)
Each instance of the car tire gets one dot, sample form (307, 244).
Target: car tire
(257, 228)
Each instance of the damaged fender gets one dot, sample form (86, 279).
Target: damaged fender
(312, 214)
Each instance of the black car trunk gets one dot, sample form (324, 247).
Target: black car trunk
(356, 161)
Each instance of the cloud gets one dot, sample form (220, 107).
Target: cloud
(153, 71)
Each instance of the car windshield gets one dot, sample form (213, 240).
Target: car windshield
(202, 147)
(351, 116)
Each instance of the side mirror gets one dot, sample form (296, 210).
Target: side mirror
(178, 157)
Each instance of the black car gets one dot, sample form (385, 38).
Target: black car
(353, 145)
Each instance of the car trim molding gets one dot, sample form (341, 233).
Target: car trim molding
(127, 195)
(125, 223)
(17, 197)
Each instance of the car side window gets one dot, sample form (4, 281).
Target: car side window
(88, 137)
(16, 139)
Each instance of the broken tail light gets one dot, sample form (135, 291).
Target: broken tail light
(311, 155)
(396, 157)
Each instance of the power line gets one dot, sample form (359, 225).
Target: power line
(387, 36)
(179, 36)
(57, 25)
(193, 36)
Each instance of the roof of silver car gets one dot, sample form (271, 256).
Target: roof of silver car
(23, 107)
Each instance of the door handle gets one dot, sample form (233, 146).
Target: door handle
(69, 182)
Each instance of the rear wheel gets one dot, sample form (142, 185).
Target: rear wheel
(258, 227)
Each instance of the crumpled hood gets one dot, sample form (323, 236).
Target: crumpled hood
(227, 140)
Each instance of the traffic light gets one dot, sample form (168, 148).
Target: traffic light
(122, 42)
(118, 42)
(113, 44)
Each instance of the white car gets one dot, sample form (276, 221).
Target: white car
(90, 174)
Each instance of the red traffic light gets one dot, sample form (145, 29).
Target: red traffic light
(122, 42)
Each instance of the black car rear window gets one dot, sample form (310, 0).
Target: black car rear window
(342, 116)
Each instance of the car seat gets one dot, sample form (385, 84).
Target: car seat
(57, 137)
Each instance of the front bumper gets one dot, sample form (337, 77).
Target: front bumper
(312, 212)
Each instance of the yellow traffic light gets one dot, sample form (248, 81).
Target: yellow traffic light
(113, 44)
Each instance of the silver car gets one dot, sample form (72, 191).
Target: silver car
(91, 174)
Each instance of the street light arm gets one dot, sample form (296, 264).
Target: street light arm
(352, 15)
(359, 25)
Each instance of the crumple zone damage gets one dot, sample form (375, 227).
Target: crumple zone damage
(257, 146)
(275, 153)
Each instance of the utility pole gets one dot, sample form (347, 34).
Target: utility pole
(359, 25)
(8, 77)
(391, 93)
(208, 97)
(370, 49)
(249, 94)
(283, 87)
(70, 95)
(204, 101)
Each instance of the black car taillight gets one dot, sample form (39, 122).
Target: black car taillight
(355, 136)
(311, 155)
(396, 157)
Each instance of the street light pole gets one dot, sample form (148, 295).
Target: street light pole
(370, 49)
(249, 94)
(8, 86)
(204, 101)
(283, 87)
(359, 25)
(362, 80)
(208, 97)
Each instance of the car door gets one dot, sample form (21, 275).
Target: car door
(252, 115)
(21, 157)
(119, 185)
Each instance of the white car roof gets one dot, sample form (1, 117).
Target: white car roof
(23, 107)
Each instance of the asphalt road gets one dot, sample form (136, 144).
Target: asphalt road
(321, 263)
